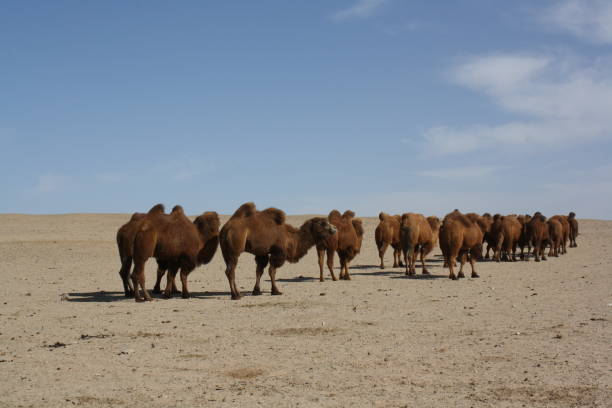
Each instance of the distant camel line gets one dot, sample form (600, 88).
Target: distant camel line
(180, 245)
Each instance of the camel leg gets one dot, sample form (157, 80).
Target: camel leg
(473, 256)
(124, 273)
(462, 259)
(450, 262)
(321, 256)
(424, 270)
(170, 282)
(413, 259)
(407, 262)
(262, 262)
(543, 250)
(536, 250)
(347, 275)
(160, 274)
(272, 273)
(230, 272)
(381, 254)
(398, 253)
(330, 263)
(185, 292)
(487, 254)
(138, 278)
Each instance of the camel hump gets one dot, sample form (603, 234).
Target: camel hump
(348, 214)
(334, 215)
(382, 216)
(464, 220)
(245, 210)
(274, 213)
(157, 209)
(358, 225)
(177, 209)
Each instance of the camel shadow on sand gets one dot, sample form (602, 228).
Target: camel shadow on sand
(104, 296)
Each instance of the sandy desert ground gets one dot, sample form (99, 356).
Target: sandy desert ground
(524, 334)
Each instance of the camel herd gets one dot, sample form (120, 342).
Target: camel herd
(178, 244)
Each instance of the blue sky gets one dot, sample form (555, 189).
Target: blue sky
(307, 106)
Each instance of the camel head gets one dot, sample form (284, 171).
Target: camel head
(320, 228)
(208, 227)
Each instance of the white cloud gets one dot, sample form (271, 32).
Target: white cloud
(458, 173)
(359, 10)
(588, 19)
(563, 100)
(51, 182)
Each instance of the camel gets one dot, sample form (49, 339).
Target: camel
(417, 237)
(125, 243)
(460, 236)
(176, 243)
(265, 235)
(524, 240)
(573, 222)
(387, 233)
(555, 231)
(346, 242)
(565, 231)
(538, 234)
(508, 237)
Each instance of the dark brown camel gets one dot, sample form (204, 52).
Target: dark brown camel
(573, 222)
(265, 235)
(346, 242)
(565, 231)
(505, 234)
(539, 236)
(524, 240)
(388, 233)
(177, 244)
(416, 237)
(555, 231)
(459, 236)
(125, 244)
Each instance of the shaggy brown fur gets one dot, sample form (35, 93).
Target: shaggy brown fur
(565, 231)
(538, 233)
(176, 243)
(511, 233)
(460, 236)
(573, 222)
(524, 237)
(555, 231)
(388, 233)
(417, 236)
(346, 242)
(265, 235)
(125, 244)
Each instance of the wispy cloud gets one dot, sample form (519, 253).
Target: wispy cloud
(588, 19)
(52, 182)
(458, 173)
(358, 10)
(561, 99)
